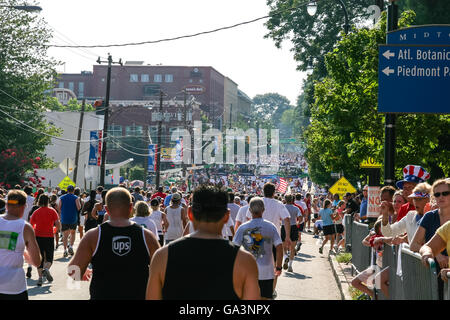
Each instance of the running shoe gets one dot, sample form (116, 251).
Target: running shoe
(65, 254)
(40, 281)
(29, 269)
(315, 236)
(274, 294)
(285, 265)
(320, 250)
(290, 269)
(298, 246)
(47, 275)
(71, 251)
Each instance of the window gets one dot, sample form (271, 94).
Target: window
(154, 134)
(151, 90)
(114, 131)
(61, 85)
(157, 78)
(134, 130)
(168, 78)
(134, 78)
(81, 90)
(145, 78)
(71, 86)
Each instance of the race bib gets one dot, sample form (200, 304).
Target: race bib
(8, 240)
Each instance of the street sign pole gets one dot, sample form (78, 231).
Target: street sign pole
(390, 118)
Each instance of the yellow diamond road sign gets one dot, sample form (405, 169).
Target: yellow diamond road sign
(341, 187)
(65, 183)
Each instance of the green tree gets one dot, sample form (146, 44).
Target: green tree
(346, 127)
(53, 104)
(312, 36)
(428, 11)
(26, 73)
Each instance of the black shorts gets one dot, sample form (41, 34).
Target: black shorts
(266, 288)
(68, 226)
(329, 230)
(301, 227)
(293, 234)
(47, 248)
(339, 228)
(19, 296)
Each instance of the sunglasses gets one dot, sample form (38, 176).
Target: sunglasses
(444, 194)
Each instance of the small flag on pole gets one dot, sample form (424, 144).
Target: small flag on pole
(282, 187)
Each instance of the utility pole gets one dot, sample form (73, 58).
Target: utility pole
(105, 122)
(390, 118)
(231, 114)
(183, 164)
(146, 137)
(158, 149)
(77, 152)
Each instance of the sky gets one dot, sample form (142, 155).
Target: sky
(241, 53)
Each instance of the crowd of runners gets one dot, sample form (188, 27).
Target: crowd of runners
(165, 241)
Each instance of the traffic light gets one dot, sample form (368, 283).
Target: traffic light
(99, 106)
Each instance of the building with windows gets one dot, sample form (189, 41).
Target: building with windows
(135, 81)
(135, 99)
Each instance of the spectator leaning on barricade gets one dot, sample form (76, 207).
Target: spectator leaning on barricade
(410, 223)
(439, 242)
(366, 279)
(431, 222)
(412, 175)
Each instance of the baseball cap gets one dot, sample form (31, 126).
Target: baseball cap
(176, 197)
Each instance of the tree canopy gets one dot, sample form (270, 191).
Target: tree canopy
(26, 74)
(346, 127)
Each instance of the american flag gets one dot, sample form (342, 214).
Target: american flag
(282, 186)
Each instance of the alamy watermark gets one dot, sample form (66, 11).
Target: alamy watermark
(215, 147)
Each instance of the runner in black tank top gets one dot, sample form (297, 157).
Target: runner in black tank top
(189, 255)
(124, 249)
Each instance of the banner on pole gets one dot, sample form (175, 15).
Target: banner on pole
(95, 150)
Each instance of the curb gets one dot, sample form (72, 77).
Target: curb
(340, 277)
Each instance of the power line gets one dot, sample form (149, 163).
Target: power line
(181, 37)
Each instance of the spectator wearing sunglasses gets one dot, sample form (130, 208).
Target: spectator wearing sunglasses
(432, 221)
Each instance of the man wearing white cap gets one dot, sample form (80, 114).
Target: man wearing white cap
(412, 175)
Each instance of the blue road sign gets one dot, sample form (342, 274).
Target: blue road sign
(414, 79)
(421, 35)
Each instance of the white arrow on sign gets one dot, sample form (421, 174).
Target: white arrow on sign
(387, 71)
(388, 54)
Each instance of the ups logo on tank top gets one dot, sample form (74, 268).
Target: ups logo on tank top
(121, 245)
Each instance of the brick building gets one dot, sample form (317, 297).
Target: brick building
(134, 101)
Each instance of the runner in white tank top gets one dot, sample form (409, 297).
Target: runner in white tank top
(15, 235)
(177, 218)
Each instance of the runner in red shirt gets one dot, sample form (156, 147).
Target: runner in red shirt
(43, 220)
(160, 194)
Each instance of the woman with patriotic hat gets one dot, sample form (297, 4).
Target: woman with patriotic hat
(420, 197)
(412, 175)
